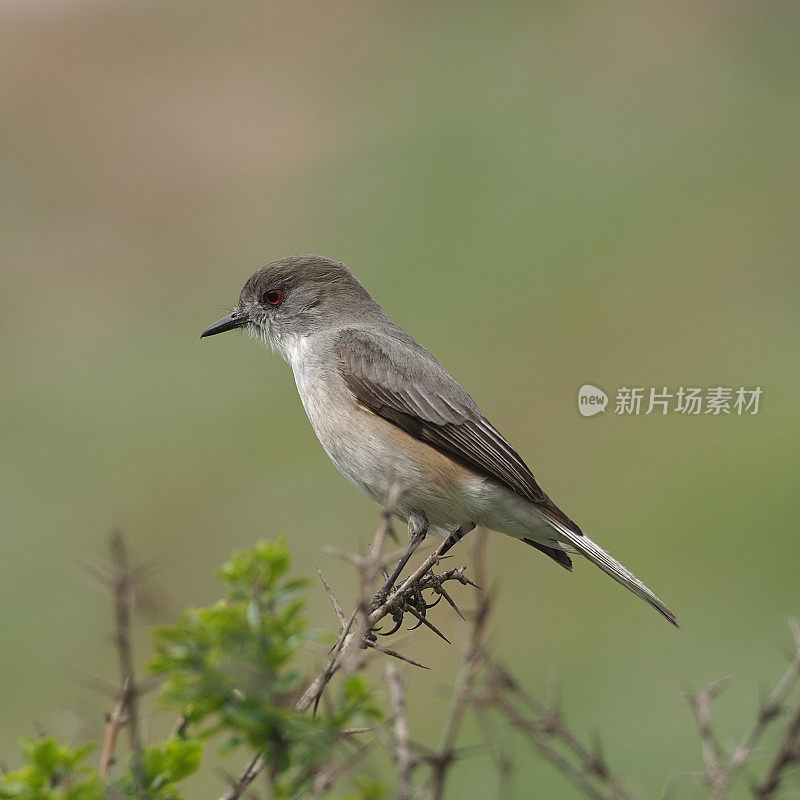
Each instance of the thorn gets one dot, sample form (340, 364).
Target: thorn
(427, 624)
(337, 606)
(394, 654)
(449, 599)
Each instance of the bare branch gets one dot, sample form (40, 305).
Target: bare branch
(238, 785)
(678, 779)
(700, 703)
(770, 710)
(315, 689)
(394, 654)
(337, 606)
(325, 777)
(788, 754)
(347, 653)
(577, 770)
(399, 594)
(114, 721)
(402, 752)
(545, 728)
(465, 681)
(121, 579)
(504, 764)
(355, 635)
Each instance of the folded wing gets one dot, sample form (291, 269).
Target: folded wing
(401, 382)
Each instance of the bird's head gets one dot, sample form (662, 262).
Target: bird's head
(296, 297)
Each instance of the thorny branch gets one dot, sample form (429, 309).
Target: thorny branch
(483, 686)
(121, 580)
(402, 751)
(700, 703)
(549, 735)
(770, 710)
(356, 632)
(787, 755)
(721, 771)
(445, 757)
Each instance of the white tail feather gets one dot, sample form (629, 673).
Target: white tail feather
(589, 549)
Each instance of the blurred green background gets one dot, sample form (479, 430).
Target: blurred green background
(544, 194)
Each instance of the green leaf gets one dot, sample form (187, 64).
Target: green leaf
(173, 761)
(52, 771)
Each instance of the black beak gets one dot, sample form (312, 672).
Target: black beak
(233, 320)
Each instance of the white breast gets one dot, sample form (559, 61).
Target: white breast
(319, 391)
(294, 349)
(367, 450)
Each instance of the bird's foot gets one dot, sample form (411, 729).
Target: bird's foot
(413, 603)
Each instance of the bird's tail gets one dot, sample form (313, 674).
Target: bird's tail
(586, 547)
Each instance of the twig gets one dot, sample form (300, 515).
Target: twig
(328, 774)
(402, 752)
(538, 738)
(700, 703)
(316, 687)
(352, 639)
(770, 710)
(347, 654)
(788, 754)
(337, 606)
(394, 654)
(546, 728)
(249, 774)
(504, 764)
(350, 636)
(121, 579)
(114, 721)
(314, 690)
(399, 594)
(677, 779)
(465, 680)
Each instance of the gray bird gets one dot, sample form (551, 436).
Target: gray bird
(388, 413)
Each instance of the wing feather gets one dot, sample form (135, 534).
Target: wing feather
(401, 382)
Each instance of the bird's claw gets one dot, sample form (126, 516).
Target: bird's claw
(397, 616)
(435, 602)
(413, 603)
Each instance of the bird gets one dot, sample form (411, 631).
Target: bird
(387, 413)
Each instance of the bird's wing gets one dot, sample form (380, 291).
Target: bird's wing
(400, 381)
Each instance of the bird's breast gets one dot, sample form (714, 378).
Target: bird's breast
(373, 454)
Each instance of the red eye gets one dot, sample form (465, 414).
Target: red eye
(273, 297)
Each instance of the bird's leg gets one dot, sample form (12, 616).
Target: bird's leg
(418, 528)
(457, 535)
